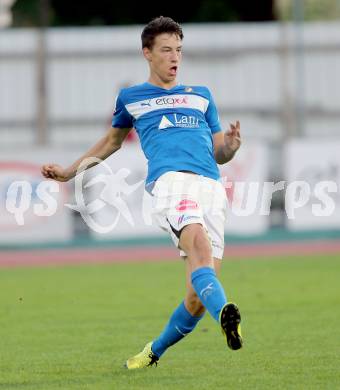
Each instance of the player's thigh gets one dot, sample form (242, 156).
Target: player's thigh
(195, 242)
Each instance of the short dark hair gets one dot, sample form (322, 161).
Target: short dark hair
(157, 26)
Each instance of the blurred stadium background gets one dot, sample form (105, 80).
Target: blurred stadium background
(273, 65)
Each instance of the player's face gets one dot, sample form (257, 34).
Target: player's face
(164, 57)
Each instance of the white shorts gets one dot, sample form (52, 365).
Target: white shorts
(181, 199)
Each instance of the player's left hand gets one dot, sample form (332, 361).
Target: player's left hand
(232, 137)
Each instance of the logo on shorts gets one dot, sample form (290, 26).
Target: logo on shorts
(184, 218)
(187, 204)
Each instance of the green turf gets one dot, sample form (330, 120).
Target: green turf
(73, 327)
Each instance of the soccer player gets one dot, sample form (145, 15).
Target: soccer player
(183, 141)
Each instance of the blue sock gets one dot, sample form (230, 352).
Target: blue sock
(209, 290)
(180, 324)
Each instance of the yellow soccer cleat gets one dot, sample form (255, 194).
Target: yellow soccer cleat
(143, 359)
(230, 319)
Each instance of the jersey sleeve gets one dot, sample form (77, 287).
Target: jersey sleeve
(121, 118)
(211, 116)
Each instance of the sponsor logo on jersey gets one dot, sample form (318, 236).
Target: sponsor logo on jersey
(188, 121)
(165, 123)
(191, 101)
(174, 101)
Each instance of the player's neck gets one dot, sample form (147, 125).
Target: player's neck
(160, 83)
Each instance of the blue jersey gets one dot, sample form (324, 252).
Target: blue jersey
(175, 127)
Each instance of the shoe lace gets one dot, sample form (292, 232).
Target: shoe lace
(153, 359)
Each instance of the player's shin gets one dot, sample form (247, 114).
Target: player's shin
(209, 290)
(180, 324)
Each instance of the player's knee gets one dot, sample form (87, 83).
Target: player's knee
(202, 253)
(201, 243)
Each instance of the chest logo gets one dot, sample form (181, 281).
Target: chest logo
(165, 123)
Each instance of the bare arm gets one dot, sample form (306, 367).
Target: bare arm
(107, 145)
(226, 144)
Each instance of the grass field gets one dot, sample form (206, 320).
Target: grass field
(73, 327)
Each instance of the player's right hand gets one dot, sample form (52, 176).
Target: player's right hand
(55, 172)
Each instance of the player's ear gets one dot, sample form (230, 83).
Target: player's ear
(147, 53)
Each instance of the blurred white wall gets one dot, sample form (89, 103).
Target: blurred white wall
(258, 73)
(255, 71)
